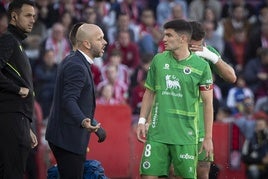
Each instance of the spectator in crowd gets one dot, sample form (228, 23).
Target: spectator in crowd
(257, 40)
(261, 18)
(262, 104)
(140, 70)
(255, 149)
(137, 89)
(224, 115)
(35, 38)
(122, 24)
(260, 5)
(150, 34)
(131, 8)
(89, 15)
(44, 80)
(177, 12)
(57, 40)
(116, 59)
(67, 21)
(42, 6)
(55, 10)
(256, 74)
(164, 10)
(211, 16)
(136, 98)
(129, 50)
(106, 95)
(236, 20)
(237, 94)
(235, 50)
(245, 120)
(243, 123)
(106, 12)
(120, 88)
(229, 6)
(211, 37)
(197, 8)
(3, 22)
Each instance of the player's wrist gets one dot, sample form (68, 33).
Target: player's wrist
(142, 120)
(214, 58)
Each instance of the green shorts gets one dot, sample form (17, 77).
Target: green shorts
(157, 157)
(202, 156)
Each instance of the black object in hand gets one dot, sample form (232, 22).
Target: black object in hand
(101, 133)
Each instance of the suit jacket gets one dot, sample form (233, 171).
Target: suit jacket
(74, 100)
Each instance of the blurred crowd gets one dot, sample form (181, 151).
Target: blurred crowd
(238, 29)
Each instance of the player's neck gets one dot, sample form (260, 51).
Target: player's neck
(181, 54)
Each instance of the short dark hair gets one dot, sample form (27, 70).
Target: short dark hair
(198, 30)
(72, 34)
(179, 26)
(16, 5)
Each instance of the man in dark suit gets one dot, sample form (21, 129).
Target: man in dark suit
(69, 124)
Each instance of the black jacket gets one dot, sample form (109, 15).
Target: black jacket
(74, 100)
(15, 72)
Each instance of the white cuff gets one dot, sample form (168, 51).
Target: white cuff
(142, 120)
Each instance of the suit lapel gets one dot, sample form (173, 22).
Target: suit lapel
(84, 60)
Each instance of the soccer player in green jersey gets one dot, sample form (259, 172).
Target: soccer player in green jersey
(217, 66)
(176, 81)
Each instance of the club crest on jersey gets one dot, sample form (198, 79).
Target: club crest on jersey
(146, 165)
(166, 67)
(172, 82)
(187, 70)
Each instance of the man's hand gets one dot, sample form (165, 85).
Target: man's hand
(141, 132)
(207, 145)
(194, 47)
(33, 139)
(207, 54)
(23, 92)
(101, 133)
(86, 123)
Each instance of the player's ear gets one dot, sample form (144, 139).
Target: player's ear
(13, 16)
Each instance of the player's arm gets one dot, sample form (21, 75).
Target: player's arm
(207, 97)
(224, 70)
(146, 106)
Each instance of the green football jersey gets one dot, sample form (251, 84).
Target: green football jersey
(201, 114)
(175, 111)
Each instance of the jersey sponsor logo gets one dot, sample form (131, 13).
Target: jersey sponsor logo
(187, 156)
(146, 165)
(187, 70)
(155, 116)
(172, 82)
(166, 67)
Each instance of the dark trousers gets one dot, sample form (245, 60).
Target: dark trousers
(70, 165)
(15, 145)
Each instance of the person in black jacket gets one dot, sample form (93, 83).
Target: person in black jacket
(255, 149)
(16, 92)
(71, 118)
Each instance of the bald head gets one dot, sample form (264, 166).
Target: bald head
(87, 32)
(90, 40)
